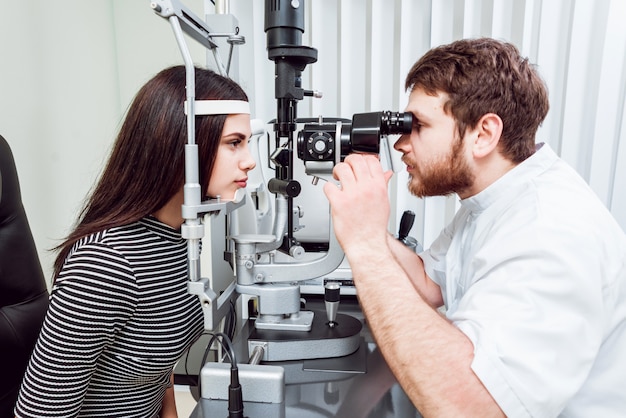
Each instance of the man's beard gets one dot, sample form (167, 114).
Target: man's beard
(445, 176)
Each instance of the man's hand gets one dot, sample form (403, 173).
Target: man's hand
(360, 207)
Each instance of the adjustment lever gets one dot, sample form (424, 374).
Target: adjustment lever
(331, 300)
(406, 223)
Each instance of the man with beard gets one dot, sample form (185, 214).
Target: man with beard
(531, 270)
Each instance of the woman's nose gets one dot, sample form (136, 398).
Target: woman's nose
(248, 162)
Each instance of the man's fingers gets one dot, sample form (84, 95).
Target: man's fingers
(330, 190)
(355, 169)
(364, 166)
(343, 173)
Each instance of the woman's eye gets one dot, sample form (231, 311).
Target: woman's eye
(235, 143)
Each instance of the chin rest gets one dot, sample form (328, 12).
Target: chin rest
(23, 291)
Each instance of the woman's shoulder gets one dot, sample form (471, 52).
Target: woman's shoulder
(102, 255)
(115, 238)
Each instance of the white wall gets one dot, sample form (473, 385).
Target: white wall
(68, 70)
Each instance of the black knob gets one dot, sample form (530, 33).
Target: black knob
(406, 223)
(288, 188)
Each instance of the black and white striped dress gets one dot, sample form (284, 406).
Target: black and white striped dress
(119, 319)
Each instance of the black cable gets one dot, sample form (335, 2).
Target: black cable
(189, 349)
(232, 322)
(227, 344)
(235, 397)
(228, 321)
(187, 361)
(203, 362)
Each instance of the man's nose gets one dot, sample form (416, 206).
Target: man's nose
(402, 143)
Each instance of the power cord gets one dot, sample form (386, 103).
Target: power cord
(187, 372)
(235, 397)
(230, 322)
(230, 327)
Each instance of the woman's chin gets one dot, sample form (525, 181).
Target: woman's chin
(227, 195)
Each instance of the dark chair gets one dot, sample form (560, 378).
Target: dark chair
(23, 291)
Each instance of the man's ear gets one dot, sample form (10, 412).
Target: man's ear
(488, 132)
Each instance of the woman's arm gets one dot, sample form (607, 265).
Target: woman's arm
(88, 304)
(168, 407)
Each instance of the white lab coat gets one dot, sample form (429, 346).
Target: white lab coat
(533, 271)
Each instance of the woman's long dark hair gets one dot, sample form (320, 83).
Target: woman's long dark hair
(146, 166)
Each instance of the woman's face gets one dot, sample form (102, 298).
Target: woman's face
(233, 160)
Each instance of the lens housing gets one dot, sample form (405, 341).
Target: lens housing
(325, 141)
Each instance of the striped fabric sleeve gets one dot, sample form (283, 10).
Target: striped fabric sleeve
(92, 298)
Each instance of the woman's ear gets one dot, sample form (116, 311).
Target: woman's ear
(488, 132)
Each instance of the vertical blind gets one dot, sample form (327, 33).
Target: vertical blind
(366, 47)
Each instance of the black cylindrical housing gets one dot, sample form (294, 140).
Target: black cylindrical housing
(288, 188)
(284, 23)
(367, 128)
